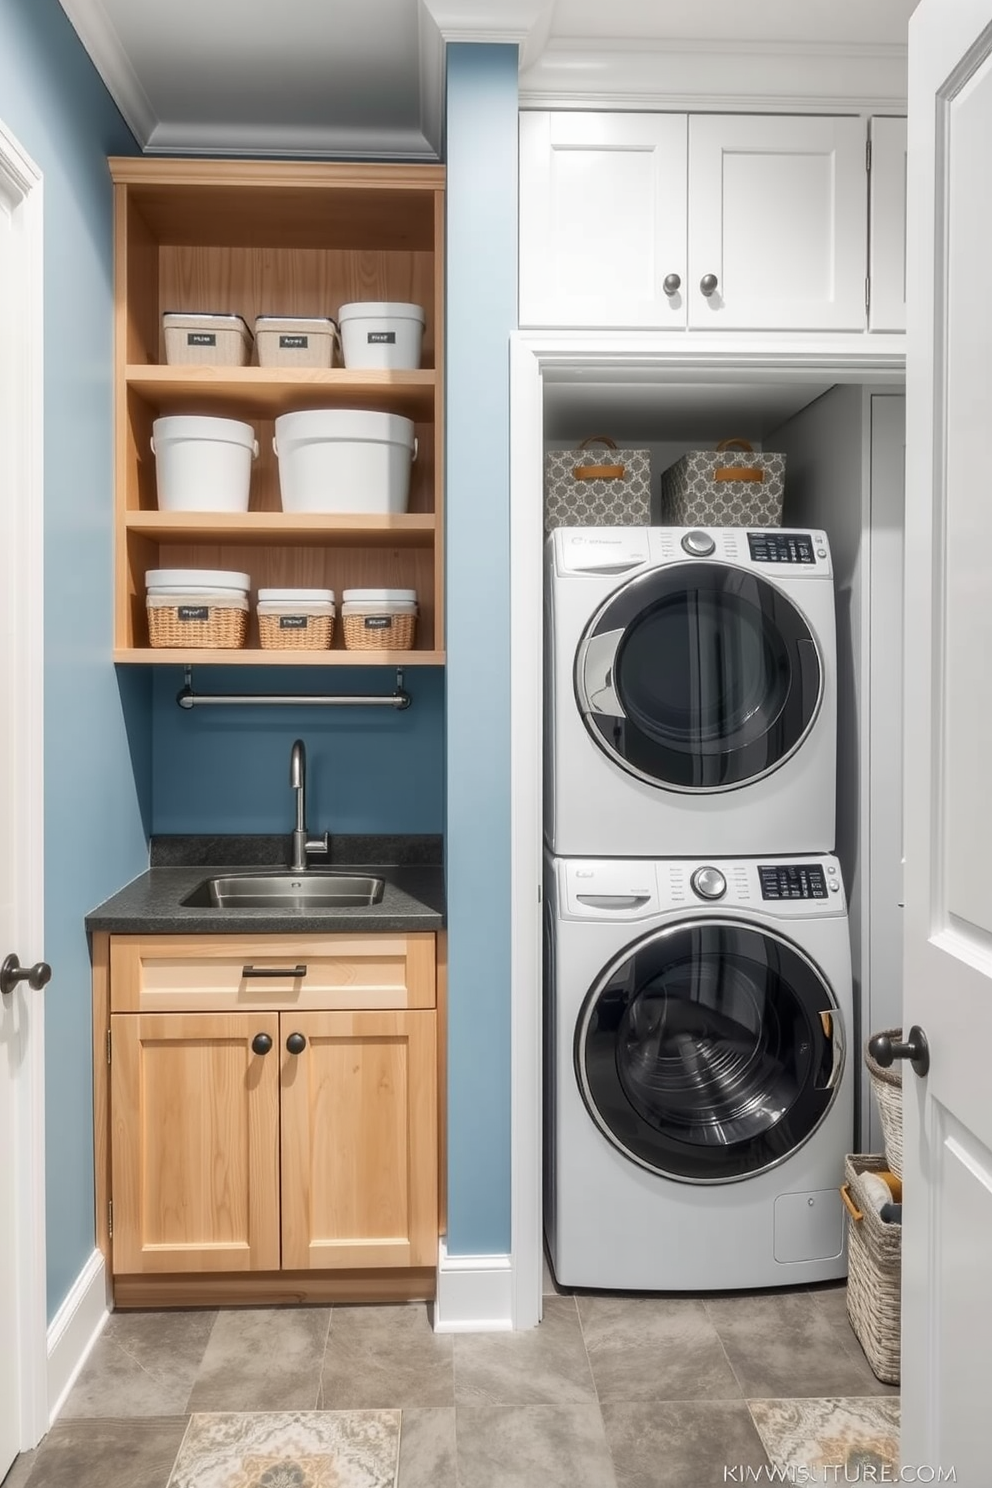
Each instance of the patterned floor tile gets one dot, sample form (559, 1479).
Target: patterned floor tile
(854, 1440)
(290, 1449)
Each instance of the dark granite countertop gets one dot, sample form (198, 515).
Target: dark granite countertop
(413, 897)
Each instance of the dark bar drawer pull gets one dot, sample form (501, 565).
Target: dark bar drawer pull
(273, 971)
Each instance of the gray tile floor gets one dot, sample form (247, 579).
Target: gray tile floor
(612, 1391)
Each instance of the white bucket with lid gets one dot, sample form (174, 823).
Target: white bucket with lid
(203, 464)
(382, 333)
(344, 460)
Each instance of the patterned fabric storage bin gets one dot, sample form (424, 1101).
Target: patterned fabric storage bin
(730, 486)
(607, 487)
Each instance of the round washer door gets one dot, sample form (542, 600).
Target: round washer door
(710, 1051)
(698, 677)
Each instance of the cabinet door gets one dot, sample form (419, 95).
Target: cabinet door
(602, 219)
(195, 1142)
(359, 1140)
(778, 216)
(887, 226)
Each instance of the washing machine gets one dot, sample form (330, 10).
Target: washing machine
(698, 1072)
(691, 686)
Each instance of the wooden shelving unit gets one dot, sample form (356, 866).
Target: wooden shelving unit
(274, 238)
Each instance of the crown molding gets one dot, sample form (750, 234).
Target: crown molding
(493, 21)
(730, 75)
(91, 24)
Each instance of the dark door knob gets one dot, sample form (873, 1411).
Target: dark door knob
(885, 1050)
(708, 284)
(296, 1043)
(12, 972)
(671, 284)
(261, 1043)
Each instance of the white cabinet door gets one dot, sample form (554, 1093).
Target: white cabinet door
(602, 219)
(777, 218)
(887, 226)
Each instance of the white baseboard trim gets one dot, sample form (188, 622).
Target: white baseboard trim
(74, 1330)
(474, 1293)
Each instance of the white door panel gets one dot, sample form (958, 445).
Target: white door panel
(887, 225)
(777, 214)
(947, 1286)
(602, 218)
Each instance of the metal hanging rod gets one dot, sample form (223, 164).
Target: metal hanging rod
(187, 698)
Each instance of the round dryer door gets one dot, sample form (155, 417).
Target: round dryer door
(698, 677)
(710, 1051)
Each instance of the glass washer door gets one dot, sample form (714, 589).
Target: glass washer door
(698, 677)
(709, 1051)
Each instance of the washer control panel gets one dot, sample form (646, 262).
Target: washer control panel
(797, 880)
(708, 883)
(781, 547)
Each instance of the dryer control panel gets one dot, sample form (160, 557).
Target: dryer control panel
(797, 880)
(641, 889)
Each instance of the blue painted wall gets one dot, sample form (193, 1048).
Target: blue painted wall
(226, 769)
(55, 105)
(481, 313)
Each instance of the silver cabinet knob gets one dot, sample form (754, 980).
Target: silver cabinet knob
(708, 883)
(698, 543)
(708, 284)
(671, 284)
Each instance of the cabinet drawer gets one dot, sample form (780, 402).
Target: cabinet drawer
(216, 973)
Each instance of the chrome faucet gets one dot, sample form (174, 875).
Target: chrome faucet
(302, 841)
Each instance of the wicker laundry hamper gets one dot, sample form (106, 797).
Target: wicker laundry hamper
(887, 1086)
(874, 1276)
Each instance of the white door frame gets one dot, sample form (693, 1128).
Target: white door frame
(637, 356)
(21, 571)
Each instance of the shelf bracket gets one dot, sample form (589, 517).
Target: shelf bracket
(188, 699)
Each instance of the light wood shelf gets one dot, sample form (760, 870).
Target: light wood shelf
(267, 392)
(150, 656)
(285, 529)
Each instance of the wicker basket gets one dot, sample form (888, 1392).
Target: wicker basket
(398, 635)
(887, 1085)
(183, 622)
(874, 1260)
(307, 633)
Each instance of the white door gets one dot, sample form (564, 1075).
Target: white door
(947, 1275)
(887, 225)
(778, 232)
(22, 1316)
(602, 219)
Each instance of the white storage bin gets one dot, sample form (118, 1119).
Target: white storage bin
(203, 464)
(382, 333)
(344, 460)
(288, 341)
(206, 340)
(212, 581)
(379, 619)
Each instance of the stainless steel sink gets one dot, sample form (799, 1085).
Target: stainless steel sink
(313, 890)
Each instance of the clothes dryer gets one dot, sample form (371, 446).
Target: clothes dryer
(691, 692)
(699, 1083)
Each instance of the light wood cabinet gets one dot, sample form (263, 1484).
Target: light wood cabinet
(282, 1129)
(699, 222)
(274, 238)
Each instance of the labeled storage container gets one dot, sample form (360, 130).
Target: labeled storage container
(289, 341)
(295, 619)
(731, 486)
(874, 1275)
(344, 460)
(191, 608)
(206, 340)
(203, 464)
(382, 333)
(379, 619)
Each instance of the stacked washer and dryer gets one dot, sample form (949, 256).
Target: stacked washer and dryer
(698, 999)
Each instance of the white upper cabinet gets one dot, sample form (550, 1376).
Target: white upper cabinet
(761, 219)
(602, 219)
(887, 225)
(778, 228)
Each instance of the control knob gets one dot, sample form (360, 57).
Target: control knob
(708, 883)
(699, 544)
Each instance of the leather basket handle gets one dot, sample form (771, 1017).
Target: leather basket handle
(599, 472)
(849, 1204)
(737, 472)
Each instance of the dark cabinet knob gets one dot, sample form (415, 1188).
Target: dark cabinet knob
(671, 284)
(708, 284)
(261, 1043)
(296, 1043)
(885, 1050)
(12, 972)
